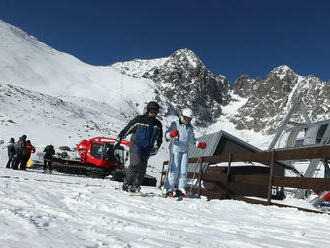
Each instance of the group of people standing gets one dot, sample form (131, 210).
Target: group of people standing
(146, 139)
(19, 153)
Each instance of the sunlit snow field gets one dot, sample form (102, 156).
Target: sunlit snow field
(38, 210)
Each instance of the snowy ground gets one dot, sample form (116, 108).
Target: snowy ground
(38, 210)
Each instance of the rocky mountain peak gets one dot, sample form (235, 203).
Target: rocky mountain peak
(186, 57)
(244, 86)
(269, 100)
(183, 81)
(283, 72)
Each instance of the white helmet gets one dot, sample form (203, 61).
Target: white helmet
(186, 115)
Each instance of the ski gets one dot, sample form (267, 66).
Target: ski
(131, 193)
(185, 196)
(180, 198)
(169, 164)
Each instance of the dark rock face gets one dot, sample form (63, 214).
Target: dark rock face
(183, 81)
(269, 100)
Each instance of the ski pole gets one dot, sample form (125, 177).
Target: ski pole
(169, 163)
(199, 160)
(191, 184)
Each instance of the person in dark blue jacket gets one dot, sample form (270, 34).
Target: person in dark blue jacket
(11, 152)
(147, 133)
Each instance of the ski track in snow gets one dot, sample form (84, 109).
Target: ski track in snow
(59, 210)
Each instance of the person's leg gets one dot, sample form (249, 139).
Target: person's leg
(10, 159)
(183, 172)
(142, 167)
(45, 165)
(17, 161)
(50, 165)
(13, 162)
(21, 165)
(174, 171)
(24, 162)
(132, 169)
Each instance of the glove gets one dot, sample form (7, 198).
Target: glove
(201, 145)
(174, 133)
(154, 150)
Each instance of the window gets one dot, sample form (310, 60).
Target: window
(96, 150)
(114, 155)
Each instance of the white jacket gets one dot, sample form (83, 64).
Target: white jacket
(186, 136)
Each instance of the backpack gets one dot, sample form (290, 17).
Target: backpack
(49, 150)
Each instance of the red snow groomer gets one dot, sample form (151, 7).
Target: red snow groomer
(99, 158)
(100, 152)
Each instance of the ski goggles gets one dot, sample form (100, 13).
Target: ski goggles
(186, 119)
(153, 111)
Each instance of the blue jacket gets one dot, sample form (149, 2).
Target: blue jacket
(145, 132)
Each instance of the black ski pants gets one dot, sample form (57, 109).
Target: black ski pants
(24, 161)
(48, 164)
(10, 160)
(136, 170)
(17, 161)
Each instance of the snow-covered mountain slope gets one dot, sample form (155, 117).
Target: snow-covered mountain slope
(29, 63)
(53, 120)
(269, 100)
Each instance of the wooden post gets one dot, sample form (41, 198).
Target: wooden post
(200, 176)
(271, 173)
(228, 177)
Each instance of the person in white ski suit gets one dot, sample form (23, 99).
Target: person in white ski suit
(182, 133)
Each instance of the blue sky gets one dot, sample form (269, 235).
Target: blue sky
(231, 37)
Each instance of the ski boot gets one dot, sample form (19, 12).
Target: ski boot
(180, 194)
(169, 193)
(134, 189)
(125, 187)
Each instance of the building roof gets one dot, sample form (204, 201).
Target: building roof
(214, 142)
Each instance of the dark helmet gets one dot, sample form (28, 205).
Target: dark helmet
(152, 105)
(12, 140)
(24, 136)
